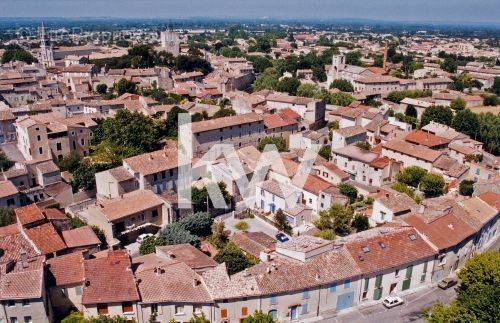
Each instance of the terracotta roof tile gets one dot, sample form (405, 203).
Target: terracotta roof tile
(67, 269)
(224, 122)
(420, 137)
(22, 285)
(7, 189)
(45, 238)
(80, 237)
(187, 254)
(444, 231)
(109, 279)
(382, 248)
(29, 214)
(492, 199)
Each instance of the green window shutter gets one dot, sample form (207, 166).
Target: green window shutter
(378, 281)
(377, 294)
(367, 281)
(409, 270)
(422, 278)
(406, 284)
(425, 267)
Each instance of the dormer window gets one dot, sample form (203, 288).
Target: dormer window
(382, 245)
(412, 237)
(365, 249)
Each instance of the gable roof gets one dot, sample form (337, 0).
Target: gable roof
(45, 238)
(382, 248)
(67, 269)
(80, 237)
(109, 279)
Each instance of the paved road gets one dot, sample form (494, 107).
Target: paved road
(256, 225)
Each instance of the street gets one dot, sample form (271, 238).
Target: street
(410, 311)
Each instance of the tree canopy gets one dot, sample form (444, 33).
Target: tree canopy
(439, 114)
(337, 218)
(234, 258)
(477, 293)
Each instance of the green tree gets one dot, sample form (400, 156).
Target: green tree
(288, 85)
(73, 317)
(175, 234)
(360, 223)
(495, 88)
(125, 86)
(327, 234)
(234, 258)
(449, 65)
(265, 82)
(363, 145)
(281, 222)
(188, 63)
(17, 53)
(432, 185)
(219, 235)
(338, 218)
(354, 58)
(260, 63)
(491, 100)
(467, 122)
(439, 114)
(458, 104)
(411, 111)
(348, 190)
(258, 317)
(199, 319)
(69, 162)
(102, 88)
(466, 187)
(171, 125)
(411, 175)
(307, 90)
(489, 132)
(325, 152)
(148, 245)
(342, 85)
(5, 162)
(279, 142)
(131, 130)
(477, 293)
(199, 198)
(224, 112)
(7, 216)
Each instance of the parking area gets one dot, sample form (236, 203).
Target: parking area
(255, 225)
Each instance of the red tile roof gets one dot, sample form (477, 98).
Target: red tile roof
(224, 122)
(443, 231)
(29, 214)
(67, 269)
(272, 121)
(109, 279)
(380, 162)
(80, 237)
(7, 189)
(420, 137)
(45, 238)
(492, 199)
(382, 248)
(188, 254)
(54, 214)
(21, 285)
(315, 185)
(287, 112)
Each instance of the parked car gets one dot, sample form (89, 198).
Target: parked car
(392, 301)
(143, 237)
(447, 282)
(282, 237)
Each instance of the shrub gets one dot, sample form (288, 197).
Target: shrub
(242, 226)
(411, 175)
(234, 258)
(279, 142)
(432, 185)
(350, 191)
(466, 187)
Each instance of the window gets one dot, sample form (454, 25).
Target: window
(382, 245)
(333, 287)
(304, 308)
(409, 271)
(155, 177)
(244, 311)
(197, 309)
(347, 283)
(82, 141)
(154, 308)
(13, 319)
(396, 273)
(365, 249)
(273, 314)
(272, 300)
(262, 192)
(424, 272)
(102, 309)
(38, 138)
(40, 150)
(154, 214)
(171, 172)
(26, 302)
(412, 237)
(27, 319)
(223, 312)
(127, 307)
(442, 260)
(179, 310)
(305, 294)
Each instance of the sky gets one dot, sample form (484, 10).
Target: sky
(457, 11)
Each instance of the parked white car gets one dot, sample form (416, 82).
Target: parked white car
(392, 301)
(143, 237)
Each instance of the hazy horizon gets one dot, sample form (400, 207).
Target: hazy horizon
(437, 11)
